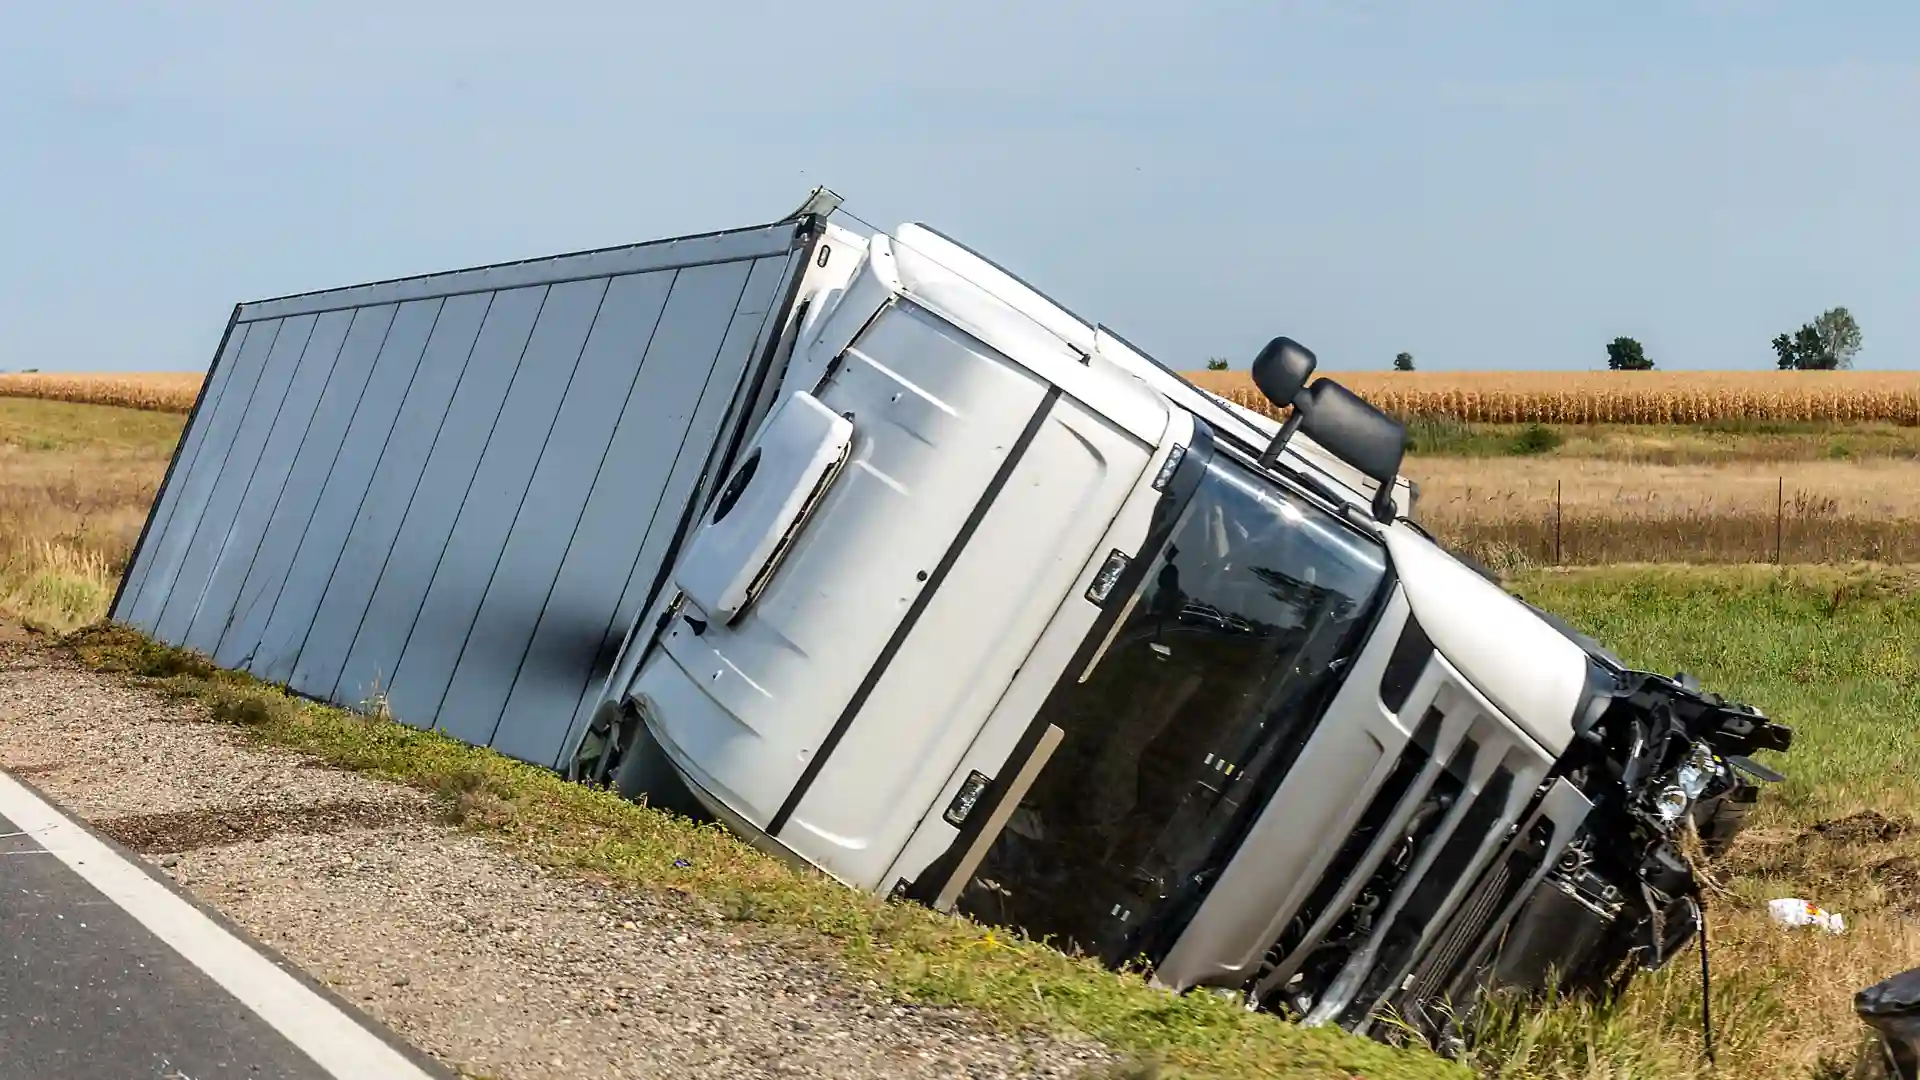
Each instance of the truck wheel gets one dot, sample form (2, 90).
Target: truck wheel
(645, 771)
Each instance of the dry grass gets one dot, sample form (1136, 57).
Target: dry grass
(1781, 1003)
(75, 485)
(162, 391)
(1618, 397)
(1814, 511)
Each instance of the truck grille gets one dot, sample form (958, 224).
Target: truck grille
(1457, 857)
(1424, 1001)
(1420, 878)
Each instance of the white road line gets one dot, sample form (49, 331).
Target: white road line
(327, 1035)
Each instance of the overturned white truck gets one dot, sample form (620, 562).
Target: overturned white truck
(905, 572)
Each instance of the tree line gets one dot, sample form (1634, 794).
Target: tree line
(1828, 343)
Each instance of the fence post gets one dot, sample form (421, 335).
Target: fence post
(1779, 522)
(1556, 523)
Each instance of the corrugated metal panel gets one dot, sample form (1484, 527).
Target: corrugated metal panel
(457, 491)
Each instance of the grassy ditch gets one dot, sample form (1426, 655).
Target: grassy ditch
(918, 955)
(1834, 653)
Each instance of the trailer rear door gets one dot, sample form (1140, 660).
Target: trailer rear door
(451, 494)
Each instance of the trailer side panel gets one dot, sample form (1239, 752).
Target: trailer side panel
(448, 492)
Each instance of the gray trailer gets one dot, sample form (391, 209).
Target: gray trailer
(453, 494)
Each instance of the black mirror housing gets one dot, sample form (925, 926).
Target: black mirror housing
(1335, 417)
(1282, 369)
(1354, 430)
(1357, 433)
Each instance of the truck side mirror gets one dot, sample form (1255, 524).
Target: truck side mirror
(1282, 369)
(1281, 372)
(1357, 433)
(1331, 415)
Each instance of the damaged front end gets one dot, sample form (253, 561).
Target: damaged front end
(1599, 883)
(1891, 1011)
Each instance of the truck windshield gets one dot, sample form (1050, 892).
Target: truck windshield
(1209, 682)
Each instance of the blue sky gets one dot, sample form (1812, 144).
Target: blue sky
(1485, 185)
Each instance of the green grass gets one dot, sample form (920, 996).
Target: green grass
(1834, 653)
(1435, 436)
(1665, 444)
(1536, 439)
(40, 426)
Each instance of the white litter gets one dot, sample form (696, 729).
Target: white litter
(1793, 911)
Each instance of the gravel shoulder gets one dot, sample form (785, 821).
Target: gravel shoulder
(484, 960)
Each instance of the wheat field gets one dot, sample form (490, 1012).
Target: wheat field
(159, 391)
(1490, 397)
(1620, 397)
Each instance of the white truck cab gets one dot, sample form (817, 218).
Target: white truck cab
(996, 614)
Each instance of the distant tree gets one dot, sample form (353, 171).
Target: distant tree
(1828, 343)
(1812, 351)
(1800, 350)
(1626, 354)
(1217, 364)
(1403, 362)
(1839, 336)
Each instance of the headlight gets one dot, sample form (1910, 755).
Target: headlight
(1690, 780)
(1698, 771)
(1671, 803)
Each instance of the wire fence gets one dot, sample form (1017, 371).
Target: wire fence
(1800, 527)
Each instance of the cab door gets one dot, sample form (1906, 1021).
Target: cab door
(747, 700)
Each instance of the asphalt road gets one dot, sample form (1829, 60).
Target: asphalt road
(108, 970)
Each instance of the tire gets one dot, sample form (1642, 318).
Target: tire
(605, 722)
(645, 772)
